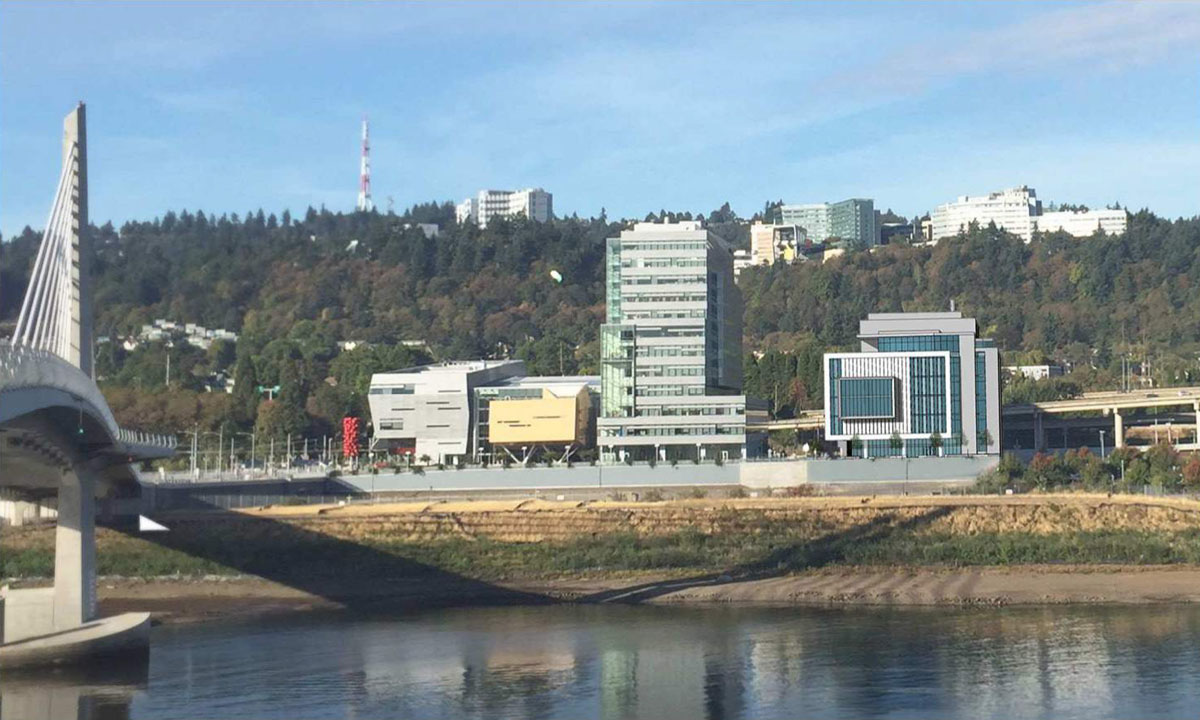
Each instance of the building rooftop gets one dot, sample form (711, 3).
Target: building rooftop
(540, 381)
(455, 366)
(949, 315)
(681, 226)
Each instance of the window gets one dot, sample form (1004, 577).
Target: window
(866, 398)
(927, 394)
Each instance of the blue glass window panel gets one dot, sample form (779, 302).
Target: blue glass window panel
(867, 398)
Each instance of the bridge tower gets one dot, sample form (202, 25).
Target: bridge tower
(56, 314)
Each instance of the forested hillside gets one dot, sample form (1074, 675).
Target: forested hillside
(293, 288)
(1061, 299)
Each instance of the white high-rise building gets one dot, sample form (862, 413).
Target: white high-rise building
(1012, 210)
(533, 203)
(1020, 212)
(1084, 224)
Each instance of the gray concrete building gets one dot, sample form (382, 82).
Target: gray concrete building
(922, 384)
(428, 410)
(671, 347)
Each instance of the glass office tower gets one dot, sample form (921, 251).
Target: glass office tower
(671, 347)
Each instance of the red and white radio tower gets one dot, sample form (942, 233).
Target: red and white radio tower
(364, 178)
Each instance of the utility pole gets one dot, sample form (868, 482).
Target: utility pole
(168, 382)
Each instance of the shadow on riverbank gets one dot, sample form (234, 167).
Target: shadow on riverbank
(341, 572)
(826, 550)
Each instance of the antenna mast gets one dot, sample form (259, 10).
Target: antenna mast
(364, 178)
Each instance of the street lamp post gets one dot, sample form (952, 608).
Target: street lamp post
(1101, 444)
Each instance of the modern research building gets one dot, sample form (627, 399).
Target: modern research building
(454, 411)
(922, 378)
(671, 347)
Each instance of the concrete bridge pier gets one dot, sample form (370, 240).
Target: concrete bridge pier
(1039, 432)
(75, 549)
(1196, 407)
(1118, 430)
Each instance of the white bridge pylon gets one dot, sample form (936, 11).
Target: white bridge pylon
(56, 314)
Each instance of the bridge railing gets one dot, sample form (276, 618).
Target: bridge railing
(26, 367)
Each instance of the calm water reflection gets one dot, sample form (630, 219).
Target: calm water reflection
(646, 662)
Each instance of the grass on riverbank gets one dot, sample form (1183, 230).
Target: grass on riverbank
(684, 552)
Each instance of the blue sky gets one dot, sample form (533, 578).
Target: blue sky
(629, 107)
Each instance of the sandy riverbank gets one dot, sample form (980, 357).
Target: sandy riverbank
(183, 600)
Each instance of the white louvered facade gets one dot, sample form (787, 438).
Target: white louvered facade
(876, 365)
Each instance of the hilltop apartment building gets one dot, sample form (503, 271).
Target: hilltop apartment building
(534, 203)
(1018, 211)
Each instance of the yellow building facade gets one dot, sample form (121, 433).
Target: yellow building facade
(555, 418)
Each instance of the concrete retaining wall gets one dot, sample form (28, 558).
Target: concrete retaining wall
(531, 478)
(858, 470)
(582, 477)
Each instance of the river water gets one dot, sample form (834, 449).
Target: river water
(676, 662)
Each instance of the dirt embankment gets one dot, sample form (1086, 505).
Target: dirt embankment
(181, 600)
(363, 556)
(540, 521)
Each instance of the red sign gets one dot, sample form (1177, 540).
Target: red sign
(350, 436)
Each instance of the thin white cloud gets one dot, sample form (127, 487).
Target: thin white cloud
(1110, 36)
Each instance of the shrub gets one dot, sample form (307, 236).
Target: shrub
(1191, 473)
(698, 493)
(653, 496)
(736, 493)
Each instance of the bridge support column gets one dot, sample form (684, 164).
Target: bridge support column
(1196, 407)
(1118, 430)
(1039, 432)
(75, 549)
